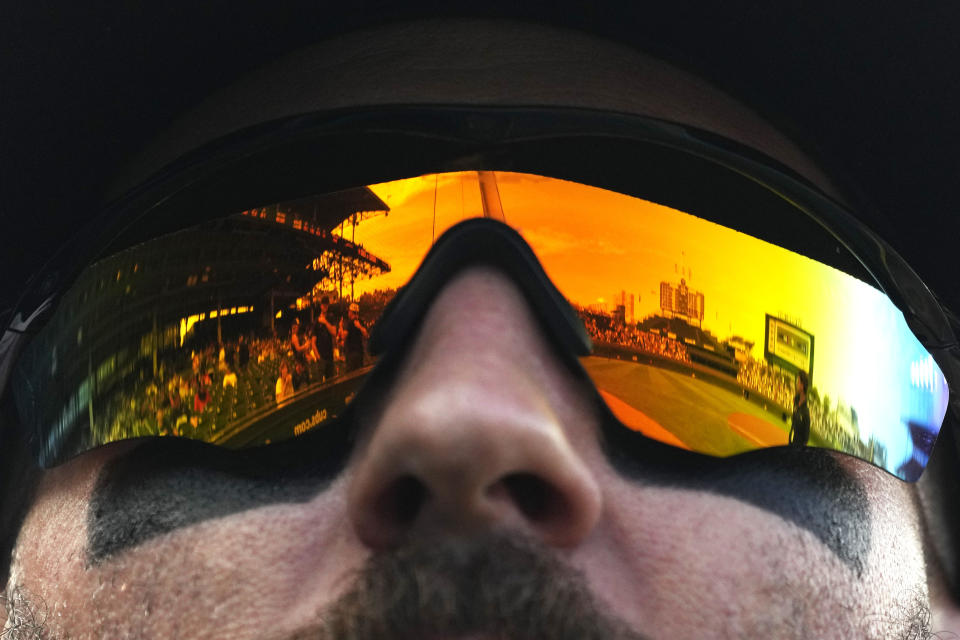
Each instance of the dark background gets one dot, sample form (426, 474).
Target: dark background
(869, 89)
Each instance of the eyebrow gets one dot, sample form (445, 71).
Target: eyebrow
(166, 484)
(806, 487)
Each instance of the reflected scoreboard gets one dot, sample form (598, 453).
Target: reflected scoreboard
(788, 345)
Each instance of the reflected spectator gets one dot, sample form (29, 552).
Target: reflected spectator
(325, 334)
(243, 353)
(355, 334)
(800, 421)
(284, 383)
(310, 339)
(300, 348)
(229, 379)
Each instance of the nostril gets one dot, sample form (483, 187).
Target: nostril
(536, 499)
(402, 500)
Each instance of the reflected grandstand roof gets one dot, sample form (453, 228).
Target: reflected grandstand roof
(235, 260)
(330, 209)
(326, 210)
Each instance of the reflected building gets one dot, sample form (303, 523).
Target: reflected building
(680, 300)
(622, 307)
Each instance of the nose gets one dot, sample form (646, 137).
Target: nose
(483, 428)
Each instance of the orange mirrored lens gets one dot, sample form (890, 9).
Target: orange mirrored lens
(252, 329)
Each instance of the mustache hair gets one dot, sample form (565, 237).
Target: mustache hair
(493, 586)
(500, 586)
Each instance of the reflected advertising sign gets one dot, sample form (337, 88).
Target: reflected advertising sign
(788, 345)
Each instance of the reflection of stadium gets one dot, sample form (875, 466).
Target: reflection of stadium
(672, 343)
(157, 328)
(166, 314)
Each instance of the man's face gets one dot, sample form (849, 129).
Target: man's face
(478, 501)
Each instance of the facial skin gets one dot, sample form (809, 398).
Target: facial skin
(487, 452)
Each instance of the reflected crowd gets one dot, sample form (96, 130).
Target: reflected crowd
(824, 421)
(758, 376)
(216, 387)
(604, 329)
(754, 377)
(201, 389)
(826, 425)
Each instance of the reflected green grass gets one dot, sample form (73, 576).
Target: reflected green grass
(696, 411)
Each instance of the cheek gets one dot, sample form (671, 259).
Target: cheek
(49, 556)
(232, 577)
(689, 563)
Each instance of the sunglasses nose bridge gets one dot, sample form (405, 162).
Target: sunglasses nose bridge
(471, 436)
(484, 243)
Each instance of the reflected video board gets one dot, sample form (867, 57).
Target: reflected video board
(788, 345)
